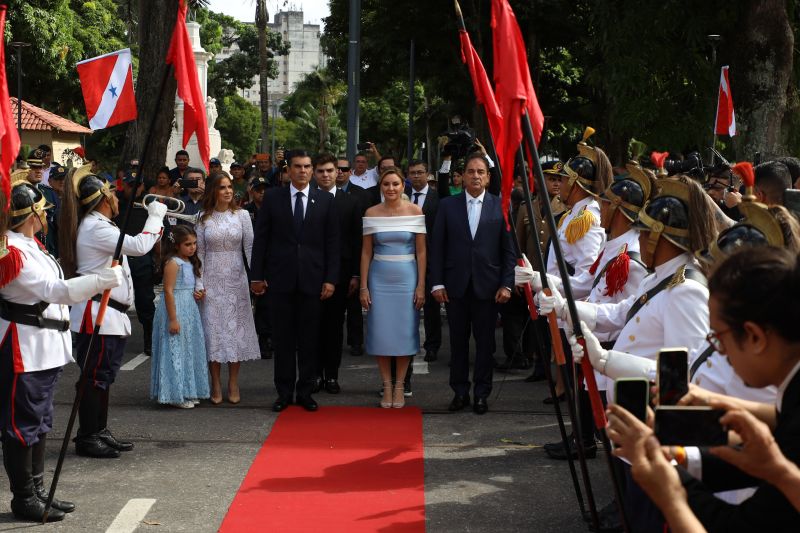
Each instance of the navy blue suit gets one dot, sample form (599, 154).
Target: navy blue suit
(471, 270)
(295, 270)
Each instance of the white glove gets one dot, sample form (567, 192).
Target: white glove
(524, 274)
(547, 304)
(82, 288)
(611, 363)
(155, 217)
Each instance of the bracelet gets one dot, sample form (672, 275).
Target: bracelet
(363, 289)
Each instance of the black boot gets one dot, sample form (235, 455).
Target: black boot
(37, 463)
(102, 423)
(17, 459)
(88, 442)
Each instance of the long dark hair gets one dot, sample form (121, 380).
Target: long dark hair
(760, 285)
(210, 195)
(179, 234)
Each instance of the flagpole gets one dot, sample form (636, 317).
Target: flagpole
(586, 366)
(101, 311)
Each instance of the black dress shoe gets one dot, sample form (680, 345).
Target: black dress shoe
(281, 404)
(94, 446)
(308, 404)
(561, 398)
(558, 452)
(121, 445)
(317, 385)
(533, 378)
(31, 509)
(459, 403)
(407, 392)
(332, 386)
(357, 350)
(431, 356)
(481, 406)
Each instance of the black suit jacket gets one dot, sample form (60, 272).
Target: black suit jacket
(429, 208)
(348, 209)
(768, 509)
(457, 259)
(286, 263)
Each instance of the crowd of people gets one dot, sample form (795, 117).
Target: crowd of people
(267, 259)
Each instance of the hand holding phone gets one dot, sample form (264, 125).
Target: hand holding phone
(633, 395)
(188, 184)
(672, 377)
(690, 426)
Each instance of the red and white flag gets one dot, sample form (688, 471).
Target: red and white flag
(726, 120)
(107, 85)
(9, 136)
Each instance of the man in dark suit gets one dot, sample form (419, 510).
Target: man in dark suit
(348, 210)
(472, 271)
(420, 193)
(296, 262)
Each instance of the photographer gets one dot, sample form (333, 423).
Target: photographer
(362, 176)
(190, 191)
(458, 146)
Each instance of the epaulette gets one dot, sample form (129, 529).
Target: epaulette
(10, 262)
(579, 226)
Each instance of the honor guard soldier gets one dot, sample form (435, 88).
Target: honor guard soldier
(34, 326)
(88, 239)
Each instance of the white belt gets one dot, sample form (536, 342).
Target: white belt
(399, 258)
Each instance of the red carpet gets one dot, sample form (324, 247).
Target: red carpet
(341, 469)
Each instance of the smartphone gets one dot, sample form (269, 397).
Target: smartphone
(672, 376)
(633, 394)
(188, 184)
(363, 146)
(690, 426)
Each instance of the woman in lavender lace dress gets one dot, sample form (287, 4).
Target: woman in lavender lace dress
(224, 241)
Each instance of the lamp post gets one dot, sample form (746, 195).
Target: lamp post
(19, 45)
(714, 40)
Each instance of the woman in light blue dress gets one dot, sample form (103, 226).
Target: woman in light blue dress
(179, 371)
(393, 260)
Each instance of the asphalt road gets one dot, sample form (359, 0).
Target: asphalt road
(482, 474)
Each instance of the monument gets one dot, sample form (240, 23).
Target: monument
(201, 58)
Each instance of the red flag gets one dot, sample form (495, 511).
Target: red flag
(514, 91)
(107, 86)
(9, 136)
(181, 56)
(726, 120)
(484, 93)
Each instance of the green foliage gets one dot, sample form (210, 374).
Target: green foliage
(238, 124)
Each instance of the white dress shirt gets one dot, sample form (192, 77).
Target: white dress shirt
(96, 242)
(293, 192)
(39, 280)
(582, 254)
(422, 195)
(366, 180)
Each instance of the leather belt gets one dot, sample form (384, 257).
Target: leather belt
(31, 315)
(113, 304)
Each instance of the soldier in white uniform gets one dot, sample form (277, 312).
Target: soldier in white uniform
(619, 269)
(88, 211)
(34, 326)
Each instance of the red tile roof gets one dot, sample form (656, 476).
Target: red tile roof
(37, 119)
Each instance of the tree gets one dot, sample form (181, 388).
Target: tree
(239, 125)
(314, 104)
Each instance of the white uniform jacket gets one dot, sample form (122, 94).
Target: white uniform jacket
(97, 239)
(39, 280)
(582, 253)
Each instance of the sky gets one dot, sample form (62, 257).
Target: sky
(313, 10)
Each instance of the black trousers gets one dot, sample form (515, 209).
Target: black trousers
(26, 408)
(433, 324)
(295, 331)
(331, 333)
(105, 358)
(518, 338)
(142, 272)
(355, 321)
(261, 317)
(478, 315)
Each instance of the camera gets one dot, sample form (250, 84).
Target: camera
(187, 184)
(461, 142)
(691, 165)
(363, 146)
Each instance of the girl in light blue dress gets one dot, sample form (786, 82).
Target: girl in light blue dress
(179, 371)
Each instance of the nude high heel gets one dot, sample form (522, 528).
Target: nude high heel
(399, 400)
(386, 401)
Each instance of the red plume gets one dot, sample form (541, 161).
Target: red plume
(745, 171)
(658, 158)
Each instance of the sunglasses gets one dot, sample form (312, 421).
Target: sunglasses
(344, 169)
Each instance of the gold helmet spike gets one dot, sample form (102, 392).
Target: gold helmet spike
(588, 132)
(584, 149)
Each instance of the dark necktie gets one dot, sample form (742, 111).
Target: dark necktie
(416, 198)
(298, 215)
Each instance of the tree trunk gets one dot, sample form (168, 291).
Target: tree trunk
(760, 76)
(262, 17)
(156, 22)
